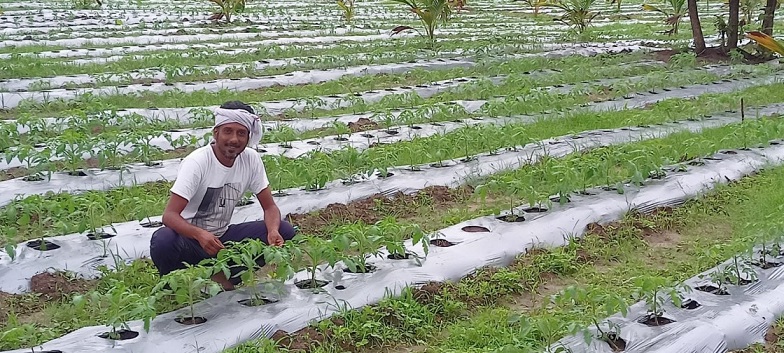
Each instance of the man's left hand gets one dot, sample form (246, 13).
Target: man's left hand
(274, 238)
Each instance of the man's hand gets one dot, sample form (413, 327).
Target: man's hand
(274, 238)
(209, 242)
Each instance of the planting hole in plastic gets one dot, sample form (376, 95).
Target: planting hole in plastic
(256, 301)
(77, 173)
(416, 127)
(475, 229)
(398, 256)
(535, 210)
(151, 224)
(712, 290)
(196, 320)
(369, 136)
(384, 175)
(122, 335)
(511, 218)
(729, 152)
(340, 287)
(100, 235)
(441, 243)
(690, 304)
(617, 344)
(308, 284)
(46, 246)
(368, 269)
(337, 139)
(392, 132)
(653, 320)
(316, 143)
(766, 264)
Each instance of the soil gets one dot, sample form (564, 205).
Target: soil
(42, 245)
(377, 207)
(362, 124)
(301, 341)
(12, 173)
(58, 285)
(441, 243)
(427, 292)
(617, 344)
(652, 320)
(124, 334)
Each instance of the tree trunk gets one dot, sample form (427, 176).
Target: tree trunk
(767, 18)
(696, 29)
(732, 25)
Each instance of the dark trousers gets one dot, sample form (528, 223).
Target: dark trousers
(169, 250)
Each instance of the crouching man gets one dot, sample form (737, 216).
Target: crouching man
(210, 182)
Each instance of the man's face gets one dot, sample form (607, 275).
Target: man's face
(231, 139)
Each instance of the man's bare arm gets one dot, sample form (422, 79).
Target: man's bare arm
(172, 218)
(271, 211)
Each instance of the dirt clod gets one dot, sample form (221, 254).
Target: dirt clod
(58, 285)
(363, 124)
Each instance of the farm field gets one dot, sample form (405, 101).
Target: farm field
(538, 177)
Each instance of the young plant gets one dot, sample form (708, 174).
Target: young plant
(650, 289)
(340, 130)
(227, 9)
(672, 15)
(244, 256)
(347, 6)
(187, 286)
(119, 305)
(362, 241)
(596, 305)
(577, 13)
(394, 235)
(314, 252)
(430, 13)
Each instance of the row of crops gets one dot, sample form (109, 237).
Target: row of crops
(540, 132)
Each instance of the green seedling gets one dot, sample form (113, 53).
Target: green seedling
(119, 305)
(188, 286)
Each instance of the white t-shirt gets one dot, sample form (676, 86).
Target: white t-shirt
(212, 189)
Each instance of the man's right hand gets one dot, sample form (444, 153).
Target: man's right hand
(209, 242)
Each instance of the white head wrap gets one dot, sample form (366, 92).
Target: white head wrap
(241, 116)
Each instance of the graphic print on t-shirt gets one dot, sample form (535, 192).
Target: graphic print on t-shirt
(216, 207)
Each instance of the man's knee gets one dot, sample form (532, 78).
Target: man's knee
(162, 248)
(286, 230)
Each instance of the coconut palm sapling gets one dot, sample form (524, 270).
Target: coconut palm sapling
(430, 14)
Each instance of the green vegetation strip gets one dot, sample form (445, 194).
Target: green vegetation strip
(27, 66)
(343, 85)
(43, 215)
(371, 326)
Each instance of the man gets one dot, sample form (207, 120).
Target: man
(210, 182)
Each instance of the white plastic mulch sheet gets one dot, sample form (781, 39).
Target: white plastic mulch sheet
(230, 323)
(711, 323)
(79, 254)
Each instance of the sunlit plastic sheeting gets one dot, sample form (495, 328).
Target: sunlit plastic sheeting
(13, 99)
(721, 323)
(25, 84)
(78, 42)
(500, 246)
